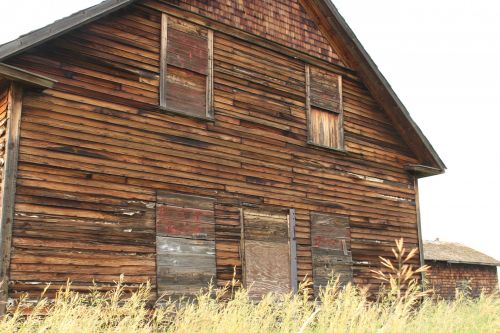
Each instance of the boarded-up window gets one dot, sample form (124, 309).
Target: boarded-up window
(185, 243)
(331, 248)
(269, 256)
(324, 108)
(186, 68)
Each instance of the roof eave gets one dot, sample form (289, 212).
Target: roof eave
(465, 262)
(421, 171)
(25, 77)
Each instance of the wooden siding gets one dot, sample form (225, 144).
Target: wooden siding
(95, 149)
(446, 278)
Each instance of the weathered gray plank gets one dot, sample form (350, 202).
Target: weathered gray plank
(166, 245)
(326, 256)
(184, 266)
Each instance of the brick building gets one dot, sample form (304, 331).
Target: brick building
(455, 266)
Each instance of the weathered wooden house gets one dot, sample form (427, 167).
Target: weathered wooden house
(178, 141)
(458, 267)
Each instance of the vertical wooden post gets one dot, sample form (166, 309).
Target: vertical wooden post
(242, 247)
(156, 247)
(210, 77)
(419, 229)
(293, 250)
(163, 60)
(308, 102)
(340, 125)
(9, 187)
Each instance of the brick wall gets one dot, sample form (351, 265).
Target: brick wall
(445, 278)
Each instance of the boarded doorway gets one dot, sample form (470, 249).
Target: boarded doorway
(269, 251)
(185, 243)
(331, 249)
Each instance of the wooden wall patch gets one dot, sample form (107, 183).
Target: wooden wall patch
(267, 268)
(325, 90)
(184, 265)
(324, 128)
(184, 222)
(324, 108)
(266, 252)
(186, 91)
(331, 248)
(187, 50)
(186, 67)
(185, 243)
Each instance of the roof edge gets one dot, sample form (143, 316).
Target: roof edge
(60, 27)
(465, 262)
(421, 171)
(25, 77)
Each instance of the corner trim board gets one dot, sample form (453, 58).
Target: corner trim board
(293, 250)
(9, 187)
(419, 230)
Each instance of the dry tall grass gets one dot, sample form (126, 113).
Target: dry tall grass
(346, 309)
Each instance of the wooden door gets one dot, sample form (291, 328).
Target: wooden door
(269, 259)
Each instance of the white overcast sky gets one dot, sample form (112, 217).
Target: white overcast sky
(443, 60)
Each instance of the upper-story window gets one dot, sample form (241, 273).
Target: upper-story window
(324, 108)
(186, 64)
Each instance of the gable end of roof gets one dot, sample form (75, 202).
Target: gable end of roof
(336, 27)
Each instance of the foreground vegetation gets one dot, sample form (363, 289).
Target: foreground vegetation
(402, 307)
(346, 310)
